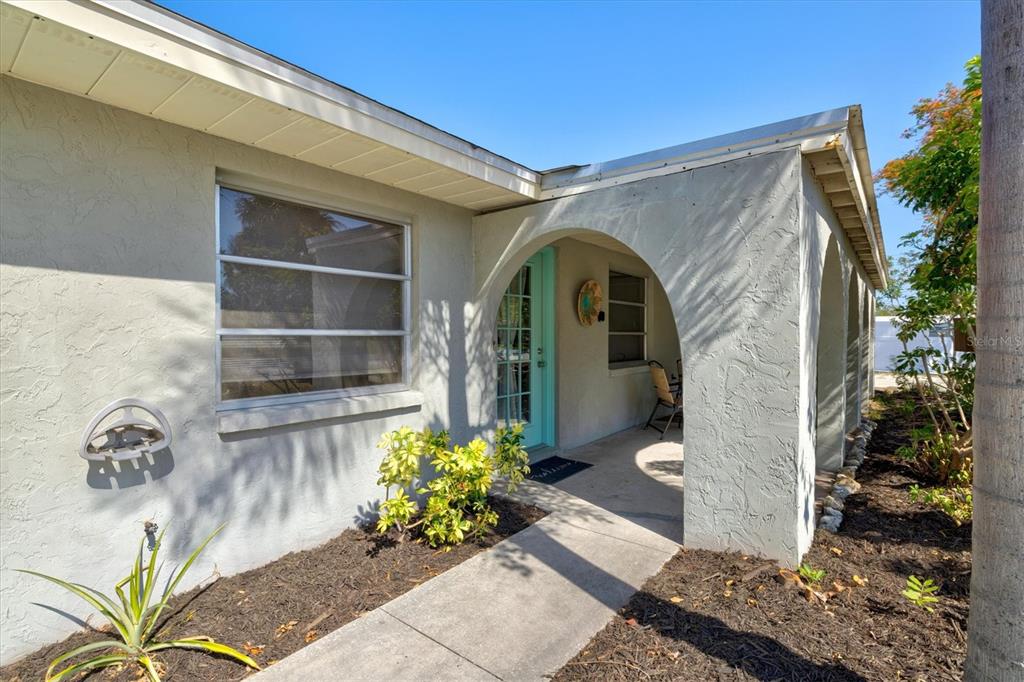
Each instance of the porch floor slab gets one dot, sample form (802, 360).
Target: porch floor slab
(525, 607)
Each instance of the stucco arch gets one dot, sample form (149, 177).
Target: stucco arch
(866, 357)
(724, 243)
(853, 350)
(512, 259)
(831, 364)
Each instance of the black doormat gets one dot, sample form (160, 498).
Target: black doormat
(554, 469)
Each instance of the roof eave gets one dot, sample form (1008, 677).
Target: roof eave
(73, 46)
(835, 137)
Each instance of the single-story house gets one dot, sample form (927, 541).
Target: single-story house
(287, 269)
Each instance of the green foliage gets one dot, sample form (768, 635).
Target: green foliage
(921, 593)
(906, 452)
(934, 291)
(456, 505)
(811, 575)
(955, 500)
(134, 618)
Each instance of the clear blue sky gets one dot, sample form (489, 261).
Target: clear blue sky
(550, 84)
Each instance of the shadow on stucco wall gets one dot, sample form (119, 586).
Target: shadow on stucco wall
(289, 480)
(723, 241)
(109, 475)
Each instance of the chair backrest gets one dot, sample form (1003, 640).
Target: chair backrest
(661, 386)
(679, 369)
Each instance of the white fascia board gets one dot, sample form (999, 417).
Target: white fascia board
(860, 152)
(860, 196)
(800, 131)
(157, 33)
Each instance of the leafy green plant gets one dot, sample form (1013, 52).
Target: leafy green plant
(906, 452)
(936, 298)
(956, 500)
(456, 506)
(134, 618)
(921, 592)
(811, 575)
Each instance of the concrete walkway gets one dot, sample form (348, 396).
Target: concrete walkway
(522, 609)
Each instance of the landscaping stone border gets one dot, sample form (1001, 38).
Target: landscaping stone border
(846, 484)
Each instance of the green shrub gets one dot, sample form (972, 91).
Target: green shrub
(456, 505)
(134, 619)
(955, 500)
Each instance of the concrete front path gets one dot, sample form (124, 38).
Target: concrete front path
(522, 609)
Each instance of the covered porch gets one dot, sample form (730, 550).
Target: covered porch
(632, 474)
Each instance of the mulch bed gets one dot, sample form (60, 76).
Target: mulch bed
(275, 610)
(719, 616)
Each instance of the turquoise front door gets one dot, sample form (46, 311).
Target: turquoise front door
(524, 346)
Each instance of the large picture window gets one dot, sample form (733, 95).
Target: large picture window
(627, 319)
(311, 301)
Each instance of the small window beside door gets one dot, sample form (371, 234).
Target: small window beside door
(627, 319)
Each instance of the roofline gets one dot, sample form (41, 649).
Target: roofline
(860, 150)
(207, 54)
(557, 182)
(238, 63)
(215, 36)
(836, 133)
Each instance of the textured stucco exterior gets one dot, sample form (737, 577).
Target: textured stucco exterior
(108, 291)
(107, 280)
(838, 388)
(724, 241)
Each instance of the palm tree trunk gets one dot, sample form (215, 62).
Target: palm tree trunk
(995, 644)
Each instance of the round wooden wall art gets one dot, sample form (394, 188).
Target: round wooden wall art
(588, 305)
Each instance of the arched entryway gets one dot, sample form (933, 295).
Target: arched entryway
(724, 243)
(853, 348)
(581, 384)
(866, 355)
(831, 365)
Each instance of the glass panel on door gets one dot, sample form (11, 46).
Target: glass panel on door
(512, 347)
(524, 361)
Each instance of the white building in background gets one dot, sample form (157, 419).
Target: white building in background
(888, 347)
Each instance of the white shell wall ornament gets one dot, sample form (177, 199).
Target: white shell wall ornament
(129, 437)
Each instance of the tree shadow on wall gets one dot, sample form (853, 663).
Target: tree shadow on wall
(730, 273)
(251, 479)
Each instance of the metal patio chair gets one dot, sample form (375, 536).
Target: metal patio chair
(666, 398)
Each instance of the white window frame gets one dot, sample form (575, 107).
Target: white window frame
(647, 293)
(313, 396)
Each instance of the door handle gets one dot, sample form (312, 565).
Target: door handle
(541, 363)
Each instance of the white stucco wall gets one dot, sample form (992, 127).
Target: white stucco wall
(593, 400)
(108, 291)
(821, 226)
(724, 241)
(107, 288)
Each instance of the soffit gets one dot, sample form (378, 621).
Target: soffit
(221, 97)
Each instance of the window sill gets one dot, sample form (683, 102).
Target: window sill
(268, 417)
(628, 368)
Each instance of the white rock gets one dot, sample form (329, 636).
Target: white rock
(847, 482)
(832, 503)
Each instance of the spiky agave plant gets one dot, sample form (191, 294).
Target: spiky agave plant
(135, 619)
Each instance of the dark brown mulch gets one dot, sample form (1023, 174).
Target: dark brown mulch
(710, 616)
(292, 601)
